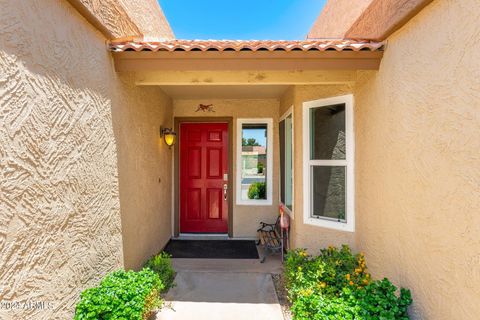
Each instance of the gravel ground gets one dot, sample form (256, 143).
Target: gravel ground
(279, 283)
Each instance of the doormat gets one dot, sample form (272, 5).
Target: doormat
(212, 249)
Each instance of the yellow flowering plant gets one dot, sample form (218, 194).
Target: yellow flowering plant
(303, 273)
(343, 268)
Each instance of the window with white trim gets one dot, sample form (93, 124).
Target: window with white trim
(254, 161)
(328, 163)
(286, 160)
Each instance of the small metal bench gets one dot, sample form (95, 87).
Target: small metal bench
(270, 237)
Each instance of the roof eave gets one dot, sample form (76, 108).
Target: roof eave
(246, 60)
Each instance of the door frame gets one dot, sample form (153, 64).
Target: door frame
(176, 169)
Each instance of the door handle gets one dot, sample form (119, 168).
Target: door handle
(225, 188)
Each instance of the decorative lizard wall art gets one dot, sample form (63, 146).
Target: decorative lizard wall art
(205, 108)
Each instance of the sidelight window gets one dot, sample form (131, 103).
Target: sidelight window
(254, 161)
(286, 161)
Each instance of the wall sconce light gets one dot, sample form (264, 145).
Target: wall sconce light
(169, 136)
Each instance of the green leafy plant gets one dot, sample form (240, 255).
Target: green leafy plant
(260, 167)
(161, 264)
(378, 300)
(336, 285)
(122, 295)
(316, 306)
(257, 190)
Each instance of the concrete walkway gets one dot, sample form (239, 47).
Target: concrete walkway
(222, 290)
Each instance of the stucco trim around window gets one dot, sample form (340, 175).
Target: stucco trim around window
(348, 163)
(269, 176)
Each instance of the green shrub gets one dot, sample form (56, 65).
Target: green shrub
(378, 300)
(256, 190)
(161, 264)
(336, 285)
(121, 295)
(316, 306)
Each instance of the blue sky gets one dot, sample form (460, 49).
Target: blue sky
(257, 134)
(241, 19)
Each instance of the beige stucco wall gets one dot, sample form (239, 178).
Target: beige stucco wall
(245, 218)
(111, 15)
(149, 18)
(304, 235)
(417, 166)
(63, 129)
(126, 18)
(418, 161)
(336, 18)
(145, 175)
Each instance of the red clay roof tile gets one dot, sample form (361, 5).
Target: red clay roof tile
(246, 45)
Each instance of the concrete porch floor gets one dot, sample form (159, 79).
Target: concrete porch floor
(271, 265)
(223, 289)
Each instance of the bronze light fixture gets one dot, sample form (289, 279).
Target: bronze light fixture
(169, 136)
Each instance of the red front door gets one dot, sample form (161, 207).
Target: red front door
(203, 168)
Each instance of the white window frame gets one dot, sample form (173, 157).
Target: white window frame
(291, 213)
(349, 225)
(269, 180)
